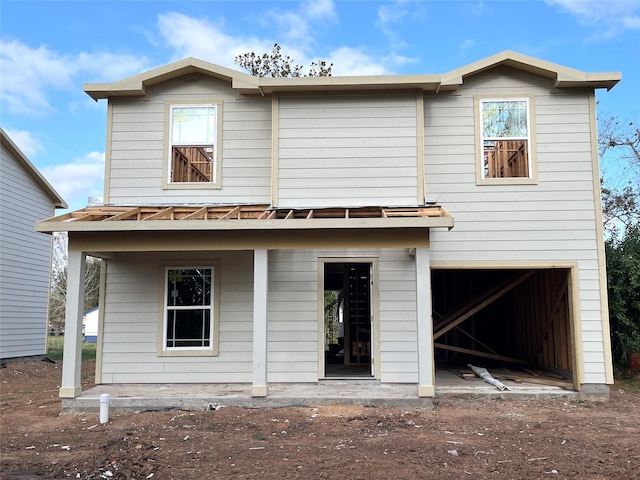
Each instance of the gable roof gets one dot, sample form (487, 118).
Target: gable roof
(563, 77)
(31, 170)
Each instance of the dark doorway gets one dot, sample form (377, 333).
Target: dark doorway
(347, 319)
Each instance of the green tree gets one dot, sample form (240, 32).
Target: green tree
(623, 279)
(619, 141)
(275, 64)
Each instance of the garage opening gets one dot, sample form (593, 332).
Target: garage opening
(516, 322)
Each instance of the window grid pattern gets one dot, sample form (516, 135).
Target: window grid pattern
(189, 308)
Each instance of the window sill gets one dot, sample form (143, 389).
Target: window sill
(507, 181)
(187, 353)
(192, 186)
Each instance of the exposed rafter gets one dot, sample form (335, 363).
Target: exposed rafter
(198, 217)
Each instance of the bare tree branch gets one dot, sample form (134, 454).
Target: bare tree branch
(275, 64)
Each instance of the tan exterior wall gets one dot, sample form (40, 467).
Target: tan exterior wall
(294, 312)
(132, 311)
(136, 151)
(554, 220)
(349, 150)
(132, 317)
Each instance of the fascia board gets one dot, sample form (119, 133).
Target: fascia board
(246, 225)
(428, 82)
(137, 84)
(563, 76)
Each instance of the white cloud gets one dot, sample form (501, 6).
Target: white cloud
(27, 72)
(25, 141)
(468, 43)
(354, 61)
(30, 74)
(608, 19)
(391, 13)
(390, 16)
(201, 38)
(78, 180)
(297, 26)
(207, 40)
(391, 20)
(320, 9)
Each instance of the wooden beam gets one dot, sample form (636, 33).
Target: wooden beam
(536, 380)
(476, 340)
(159, 214)
(480, 354)
(231, 212)
(196, 213)
(127, 214)
(453, 321)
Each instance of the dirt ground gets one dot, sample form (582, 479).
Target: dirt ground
(457, 439)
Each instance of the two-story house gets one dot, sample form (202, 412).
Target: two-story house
(278, 230)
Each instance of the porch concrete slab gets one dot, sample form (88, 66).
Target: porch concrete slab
(144, 397)
(140, 397)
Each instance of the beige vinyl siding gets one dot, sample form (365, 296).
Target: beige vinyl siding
(553, 221)
(132, 304)
(347, 151)
(292, 325)
(25, 260)
(398, 362)
(137, 146)
(293, 332)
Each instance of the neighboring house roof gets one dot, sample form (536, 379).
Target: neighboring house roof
(20, 157)
(243, 217)
(563, 77)
(91, 310)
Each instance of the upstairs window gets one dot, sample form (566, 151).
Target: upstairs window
(189, 310)
(193, 152)
(505, 140)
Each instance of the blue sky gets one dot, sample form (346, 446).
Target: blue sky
(49, 49)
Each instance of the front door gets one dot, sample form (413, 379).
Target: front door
(348, 345)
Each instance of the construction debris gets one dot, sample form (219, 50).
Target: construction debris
(484, 374)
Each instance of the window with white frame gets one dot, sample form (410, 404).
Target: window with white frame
(505, 132)
(193, 143)
(189, 308)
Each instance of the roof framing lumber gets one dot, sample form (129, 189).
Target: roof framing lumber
(243, 217)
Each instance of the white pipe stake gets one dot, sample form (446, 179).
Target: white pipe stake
(104, 408)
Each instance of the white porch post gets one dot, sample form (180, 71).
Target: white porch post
(260, 291)
(72, 354)
(426, 383)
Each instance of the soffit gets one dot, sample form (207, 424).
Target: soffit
(242, 217)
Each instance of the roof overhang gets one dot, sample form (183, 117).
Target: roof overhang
(32, 171)
(242, 218)
(562, 76)
(137, 85)
(243, 83)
